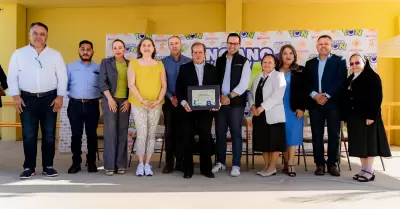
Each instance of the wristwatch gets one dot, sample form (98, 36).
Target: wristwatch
(229, 96)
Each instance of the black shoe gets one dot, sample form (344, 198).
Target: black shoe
(92, 168)
(27, 174)
(49, 171)
(75, 168)
(167, 169)
(187, 175)
(208, 174)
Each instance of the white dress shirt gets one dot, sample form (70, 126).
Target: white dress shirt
(244, 80)
(37, 73)
(273, 92)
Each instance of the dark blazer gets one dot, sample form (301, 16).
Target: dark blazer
(365, 97)
(109, 75)
(3, 81)
(298, 90)
(333, 79)
(188, 77)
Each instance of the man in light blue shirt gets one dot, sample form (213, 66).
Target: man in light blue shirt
(172, 64)
(83, 106)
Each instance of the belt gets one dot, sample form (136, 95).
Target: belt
(82, 100)
(39, 94)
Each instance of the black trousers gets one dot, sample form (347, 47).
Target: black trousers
(318, 115)
(173, 145)
(83, 114)
(197, 122)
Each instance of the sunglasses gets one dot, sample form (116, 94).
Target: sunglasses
(355, 63)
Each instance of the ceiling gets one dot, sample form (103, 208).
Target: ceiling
(96, 3)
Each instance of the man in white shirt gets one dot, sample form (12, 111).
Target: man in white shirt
(37, 79)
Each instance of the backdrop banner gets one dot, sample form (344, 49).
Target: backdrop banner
(254, 46)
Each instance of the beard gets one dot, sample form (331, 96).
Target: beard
(86, 59)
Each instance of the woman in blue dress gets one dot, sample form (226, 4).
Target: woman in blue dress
(294, 102)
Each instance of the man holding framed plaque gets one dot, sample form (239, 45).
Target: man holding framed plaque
(198, 93)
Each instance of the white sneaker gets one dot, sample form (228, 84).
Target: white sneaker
(218, 167)
(147, 170)
(235, 172)
(140, 170)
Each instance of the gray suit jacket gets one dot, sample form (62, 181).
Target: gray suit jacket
(109, 76)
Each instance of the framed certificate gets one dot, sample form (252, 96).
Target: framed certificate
(204, 97)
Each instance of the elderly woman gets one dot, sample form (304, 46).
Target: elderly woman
(294, 101)
(266, 101)
(366, 133)
(147, 84)
(114, 87)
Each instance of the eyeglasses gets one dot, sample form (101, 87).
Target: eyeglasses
(233, 44)
(40, 64)
(354, 63)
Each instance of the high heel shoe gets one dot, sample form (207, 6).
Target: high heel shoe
(365, 179)
(291, 173)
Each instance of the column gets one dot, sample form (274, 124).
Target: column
(234, 15)
(12, 36)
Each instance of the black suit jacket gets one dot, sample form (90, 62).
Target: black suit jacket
(333, 78)
(109, 76)
(188, 77)
(3, 81)
(298, 90)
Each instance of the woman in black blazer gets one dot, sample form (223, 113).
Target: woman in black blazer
(366, 132)
(294, 101)
(3, 82)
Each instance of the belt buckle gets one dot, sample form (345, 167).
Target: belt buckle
(38, 95)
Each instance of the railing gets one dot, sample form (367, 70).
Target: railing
(388, 106)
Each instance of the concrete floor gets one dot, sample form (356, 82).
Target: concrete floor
(162, 191)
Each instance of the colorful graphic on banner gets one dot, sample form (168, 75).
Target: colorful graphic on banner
(254, 46)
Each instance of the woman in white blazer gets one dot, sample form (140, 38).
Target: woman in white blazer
(266, 101)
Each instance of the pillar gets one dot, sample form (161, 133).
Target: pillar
(144, 25)
(234, 15)
(13, 35)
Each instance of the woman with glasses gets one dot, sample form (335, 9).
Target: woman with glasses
(114, 87)
(366, 133)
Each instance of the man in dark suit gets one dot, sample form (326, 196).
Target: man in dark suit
(196, 73)
(326, 74)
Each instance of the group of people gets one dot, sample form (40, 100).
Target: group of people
(38, 80)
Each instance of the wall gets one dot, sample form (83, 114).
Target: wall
(68, 26)
(323, 16)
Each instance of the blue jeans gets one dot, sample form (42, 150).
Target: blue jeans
(230, 117)
(38, 110)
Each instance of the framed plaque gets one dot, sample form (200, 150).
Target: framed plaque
(204, 97)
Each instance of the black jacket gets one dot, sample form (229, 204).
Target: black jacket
(364, 98)
(188, 77)
(299, 94)
(3, 81)
(109, 76)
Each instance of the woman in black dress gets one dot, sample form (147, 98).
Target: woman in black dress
(367, 137)
(266, 101)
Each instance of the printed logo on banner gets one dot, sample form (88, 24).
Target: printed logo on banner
(131, 48)
(245, 34)
(372, 57)
(139, 36)
(357, 32)
(194, 36)
(339, 45)
(298, 33)
(312, 56)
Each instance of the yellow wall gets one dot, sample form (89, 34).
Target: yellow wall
(68, 26)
